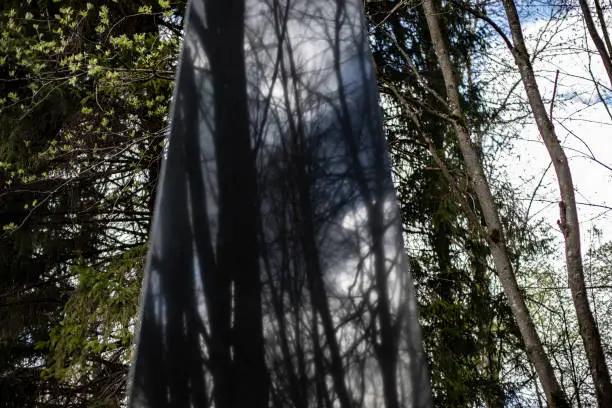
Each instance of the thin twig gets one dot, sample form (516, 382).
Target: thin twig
(552, 102)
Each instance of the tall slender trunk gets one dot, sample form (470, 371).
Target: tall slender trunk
(568, 212)
(599, 44)
(495, 236)
(604, 27)
(237, 247)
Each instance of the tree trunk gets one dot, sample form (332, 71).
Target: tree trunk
(495, 235)
(599, 44)
(568, 212)
(237, 247)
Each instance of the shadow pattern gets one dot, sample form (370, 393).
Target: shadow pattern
(277, 275)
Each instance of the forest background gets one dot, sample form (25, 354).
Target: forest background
(473, 102)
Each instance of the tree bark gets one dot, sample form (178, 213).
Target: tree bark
(568, 212)
(599, 44)
(495, 236)
(604, 27)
